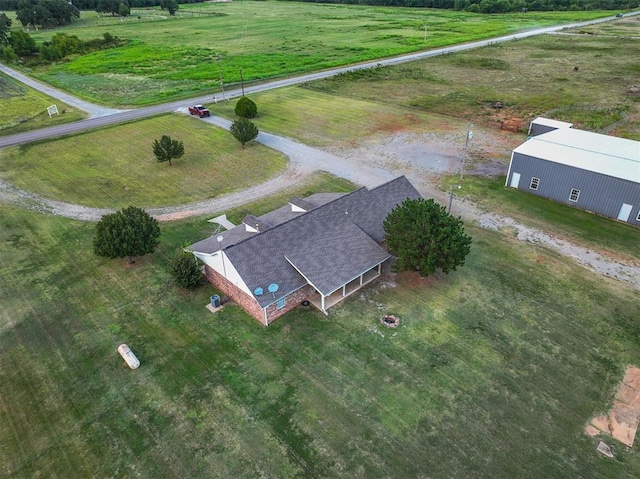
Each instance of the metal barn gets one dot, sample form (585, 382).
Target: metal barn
(594, 172)
(544, 125)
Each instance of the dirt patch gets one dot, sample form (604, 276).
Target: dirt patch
(621, 422)
(389, 123)
(634, 90)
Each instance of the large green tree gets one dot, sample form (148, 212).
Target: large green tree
(426, 238)
(125, 234)
(46, 13)
(243, 130)
(22, 43)
(166, 149)
(5, 24)
(169, 5)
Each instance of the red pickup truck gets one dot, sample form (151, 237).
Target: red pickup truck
(199, 110)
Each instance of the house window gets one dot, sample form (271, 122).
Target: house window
(575, 194)
(534, 183)
(281, 302)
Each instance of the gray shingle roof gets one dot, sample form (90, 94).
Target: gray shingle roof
(330, 245)
(300, 203)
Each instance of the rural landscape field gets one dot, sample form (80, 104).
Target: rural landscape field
(168, 57)
(495, 369)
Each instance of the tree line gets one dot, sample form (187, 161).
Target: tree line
(497, 6)
(14, 5)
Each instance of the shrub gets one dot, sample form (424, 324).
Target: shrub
(243, 130)
(246, 108)
(185, 269)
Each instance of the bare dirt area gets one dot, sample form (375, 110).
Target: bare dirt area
(425, 157)
(621, 422)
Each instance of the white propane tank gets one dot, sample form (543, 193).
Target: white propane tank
(128, 356)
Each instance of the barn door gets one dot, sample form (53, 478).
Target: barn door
(515, 180)
(625, 211)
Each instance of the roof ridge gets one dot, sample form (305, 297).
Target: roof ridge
(303, 215)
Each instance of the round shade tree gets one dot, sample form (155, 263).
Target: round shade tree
(126, 233)
(243, 130)
(166, 149)
(246, 108)
(425, 237)
(185, 269)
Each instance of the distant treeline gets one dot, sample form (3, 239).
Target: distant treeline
(497, 6)
(482, 6)
(6, 5)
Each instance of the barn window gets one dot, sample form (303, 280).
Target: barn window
(281, 303)
(534, 183)
(575, 194)
(638, 217)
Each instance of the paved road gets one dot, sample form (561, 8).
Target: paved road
(102, 116)
(93, 110)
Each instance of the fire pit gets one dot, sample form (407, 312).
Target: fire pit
(390, 321)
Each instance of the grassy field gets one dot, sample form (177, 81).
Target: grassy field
(494, 370)
(25, 109)
(528, 77)
(115, 167)
(170, 57)
(595, 232)
(319, 118)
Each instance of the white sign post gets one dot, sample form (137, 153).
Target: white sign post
(52, 110)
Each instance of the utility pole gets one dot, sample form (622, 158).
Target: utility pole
(466, 145)
(241, 82)
(425, 34)
(218, 58)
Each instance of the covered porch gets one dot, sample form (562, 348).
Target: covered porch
(323, 303)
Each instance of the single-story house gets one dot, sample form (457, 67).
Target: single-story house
(319, 249)
(594, 172)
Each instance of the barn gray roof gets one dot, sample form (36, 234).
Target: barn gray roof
(328, 246)
(604, 154)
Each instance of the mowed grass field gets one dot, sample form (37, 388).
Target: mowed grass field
(172, 57)
(493, 372)
(25, 109)
(324, 119)
(115, 167)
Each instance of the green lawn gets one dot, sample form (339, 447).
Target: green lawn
(171, 57)
(579, 227)
(115, 167)
(494, 370)
(326, 120)
(25, 109)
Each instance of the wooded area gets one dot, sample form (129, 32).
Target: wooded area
(480, 6)
(497, 6)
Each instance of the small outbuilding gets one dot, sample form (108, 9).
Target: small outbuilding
(590, 171)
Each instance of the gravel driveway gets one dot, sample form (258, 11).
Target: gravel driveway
(423, 158)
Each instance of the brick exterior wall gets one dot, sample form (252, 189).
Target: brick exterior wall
(291, 301)
(249, 304)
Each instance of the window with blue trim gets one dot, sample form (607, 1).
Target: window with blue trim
(281, 302)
